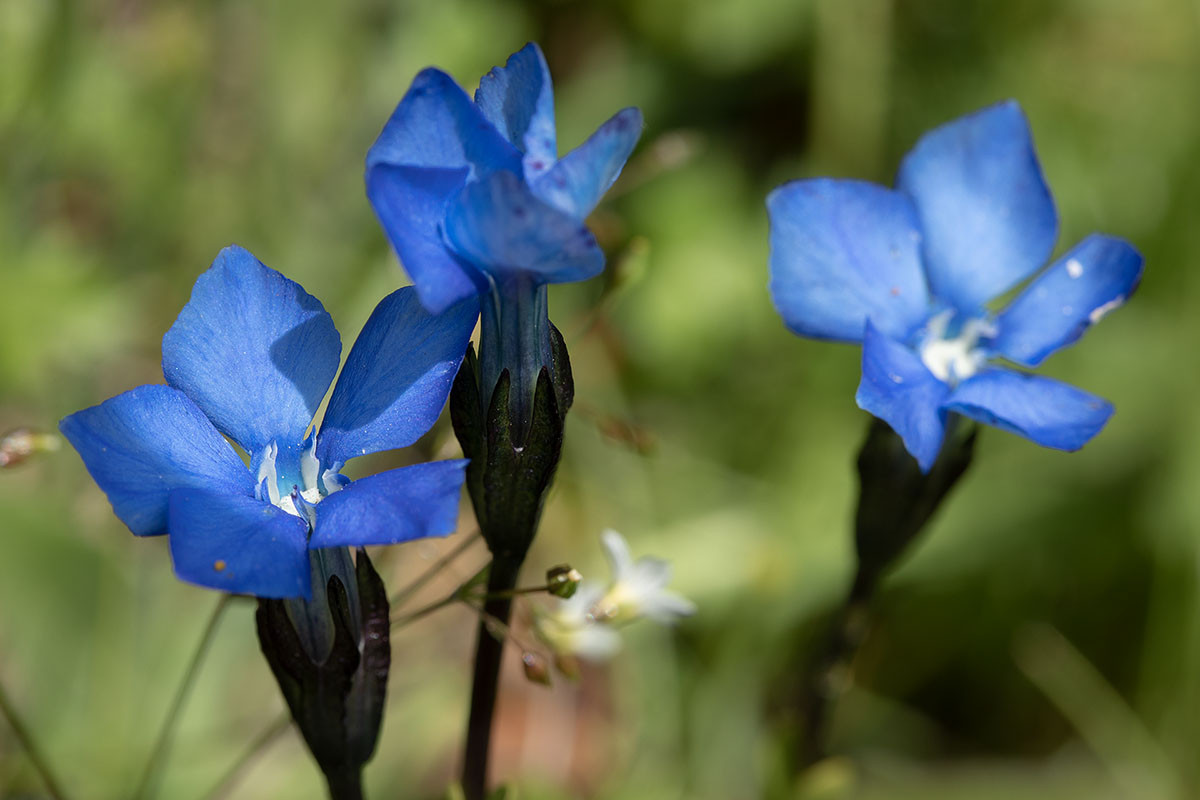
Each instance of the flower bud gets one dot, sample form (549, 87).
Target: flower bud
(512, 458)
(562, 580)
(335, 690)
(569, 666)
(18, 445)
(535, 668)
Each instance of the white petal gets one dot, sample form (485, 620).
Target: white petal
(596, 642)
(667, 607)
(579, 605)
(649, 575)
(618, 553)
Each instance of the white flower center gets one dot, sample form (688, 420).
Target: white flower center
(954, 358)
(313, 485)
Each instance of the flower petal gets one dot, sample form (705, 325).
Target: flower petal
(570, 629)
(394, 506)
(141, 444)
(985, 209)
(434, 141)
(518, 99)
(410, 203)
(667, 607)
(647, 582)
(593, 642)
(1095, 277)
(843, 251)
(649, 575)
(396, 378)
(616, 550)
(437, 125)
(577, 182)
(901, 391)
(253, 350)
(238, 544)
(1045, 411)
(498, 225)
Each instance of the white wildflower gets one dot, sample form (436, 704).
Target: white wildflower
(639, 587)
(571, 629)
(584, 625)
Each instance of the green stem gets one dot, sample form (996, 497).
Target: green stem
(429, 609)
(461, 593)
(145, 787)
(25, 739)
(517, 592)
(281, 724)
(405, 594)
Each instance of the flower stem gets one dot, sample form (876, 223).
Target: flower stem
(272, 732)
(489, 650)
(510, 593)
(424, 611)
(462, 594)
(345, 785)
(895, 503)
(25, 739)
(145, 787)
(825, 678)
(402, 596)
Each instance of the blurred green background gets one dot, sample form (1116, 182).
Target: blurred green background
(1043, 639)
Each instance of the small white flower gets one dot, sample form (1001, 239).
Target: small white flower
(585, 624)
(639, 587)
(570, 629)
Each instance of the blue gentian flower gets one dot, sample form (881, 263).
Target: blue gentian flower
(475, 200)
(910, 273)
(251, 356)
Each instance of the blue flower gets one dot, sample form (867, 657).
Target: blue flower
(251, 356)
(474, 192)
(475, 200)
(910, 272)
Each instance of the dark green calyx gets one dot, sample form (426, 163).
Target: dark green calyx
(337, 703)
(560, 364)
(896, 499)
(563, 581)
(512, 465)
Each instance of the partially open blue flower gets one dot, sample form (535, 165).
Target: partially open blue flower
(909, 273)
(475, 200)
(251, 356)
(474, 192)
